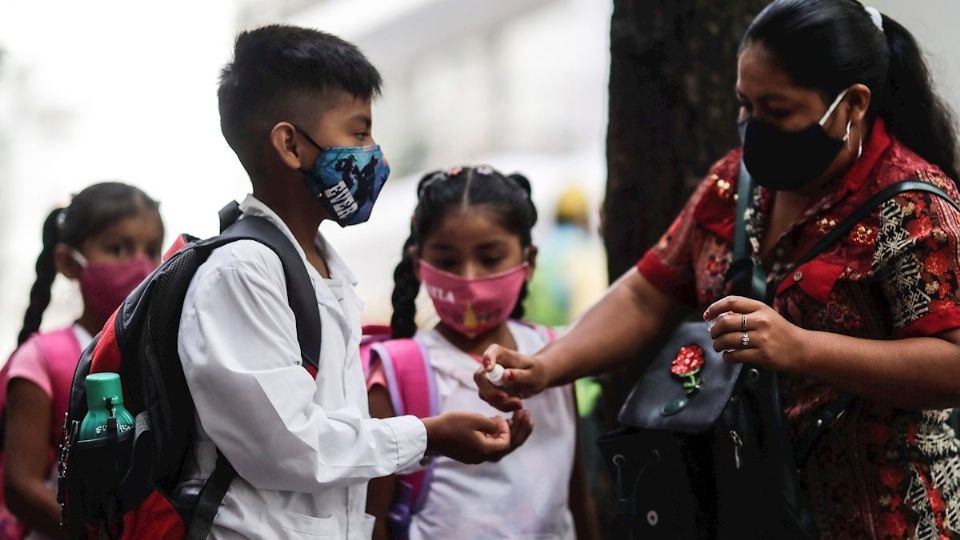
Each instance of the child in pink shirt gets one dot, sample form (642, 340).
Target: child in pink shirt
(109, 239)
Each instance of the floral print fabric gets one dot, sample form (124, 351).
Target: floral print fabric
(880, 472)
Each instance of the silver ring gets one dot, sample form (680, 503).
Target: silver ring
(743, 322)
(744, 340)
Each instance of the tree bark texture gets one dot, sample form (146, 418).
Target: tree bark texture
(673, 113)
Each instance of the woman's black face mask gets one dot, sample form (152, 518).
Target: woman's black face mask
(787, 160)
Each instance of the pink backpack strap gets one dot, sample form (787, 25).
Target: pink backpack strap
(55, 344)
(550, 332)
(413, 390)
(409, 376)
(547, 332)
(61, 351)
(58, 343)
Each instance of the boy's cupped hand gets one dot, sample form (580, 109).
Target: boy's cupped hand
(474, 438)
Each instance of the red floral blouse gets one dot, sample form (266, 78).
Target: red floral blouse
(880, 472)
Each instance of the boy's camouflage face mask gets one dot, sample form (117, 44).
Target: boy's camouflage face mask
(348, 179)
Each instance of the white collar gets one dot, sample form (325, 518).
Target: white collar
(252, 206)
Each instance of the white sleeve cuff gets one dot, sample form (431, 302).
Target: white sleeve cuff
(411, 440)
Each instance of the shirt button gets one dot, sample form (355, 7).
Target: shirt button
(798, 276)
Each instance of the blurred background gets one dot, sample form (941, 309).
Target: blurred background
(112, 89)
(127, 90)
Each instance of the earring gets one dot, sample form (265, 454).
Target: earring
(846, 139)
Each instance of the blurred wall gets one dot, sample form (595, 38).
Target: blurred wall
(519, 84)
(933, 23)
(91, 91)
(127, 90)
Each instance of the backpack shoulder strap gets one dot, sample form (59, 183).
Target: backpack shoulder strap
(211, 495)
(303, 302)
(548, 332)
(300, 292)
(410, 377)
(413, 390)
(58, 342)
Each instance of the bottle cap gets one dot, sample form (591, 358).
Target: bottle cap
(101, 386)
(495, 375)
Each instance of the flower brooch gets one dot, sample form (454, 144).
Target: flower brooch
(686, 367)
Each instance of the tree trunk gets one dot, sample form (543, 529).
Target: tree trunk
(673, 113)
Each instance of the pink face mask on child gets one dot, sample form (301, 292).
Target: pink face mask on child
(105, 285)
(473, 306)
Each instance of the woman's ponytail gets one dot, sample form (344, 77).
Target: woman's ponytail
(829, 45)
(46, 272)
(910, 108)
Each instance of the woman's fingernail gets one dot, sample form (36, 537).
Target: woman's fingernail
(510, 375)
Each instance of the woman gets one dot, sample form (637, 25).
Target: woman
(836, 104)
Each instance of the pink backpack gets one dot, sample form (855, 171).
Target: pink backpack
(413, 390)
(53, 347)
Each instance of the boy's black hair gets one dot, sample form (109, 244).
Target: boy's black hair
(90, 212)
(506, 196)
(276, 73)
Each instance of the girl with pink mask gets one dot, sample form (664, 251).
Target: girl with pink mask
(470, 250)
(108, 239)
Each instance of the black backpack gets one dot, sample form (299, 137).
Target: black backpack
(129, 485)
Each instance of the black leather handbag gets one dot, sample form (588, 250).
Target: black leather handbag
(705, 451)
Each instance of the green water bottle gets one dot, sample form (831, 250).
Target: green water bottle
(106, 416)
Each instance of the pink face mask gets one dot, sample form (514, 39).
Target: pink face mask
(473, 306)
(104, 286)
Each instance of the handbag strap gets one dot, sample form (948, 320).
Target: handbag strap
(744, 194)
(829, 414)
(861, 212)
(745, 276)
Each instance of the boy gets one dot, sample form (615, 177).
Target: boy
(295, 107)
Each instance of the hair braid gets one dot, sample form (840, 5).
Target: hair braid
(507, 197)
(518, 311)
(46, 272)
(406, 287)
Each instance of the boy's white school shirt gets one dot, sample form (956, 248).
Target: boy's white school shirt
(304, 449)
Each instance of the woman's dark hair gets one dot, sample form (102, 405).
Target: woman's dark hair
(507, 196)
(89, 213)
(829, 45)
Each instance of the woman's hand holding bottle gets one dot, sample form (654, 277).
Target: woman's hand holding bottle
(524, 376)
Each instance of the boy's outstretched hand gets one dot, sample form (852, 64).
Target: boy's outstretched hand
(474, 438)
